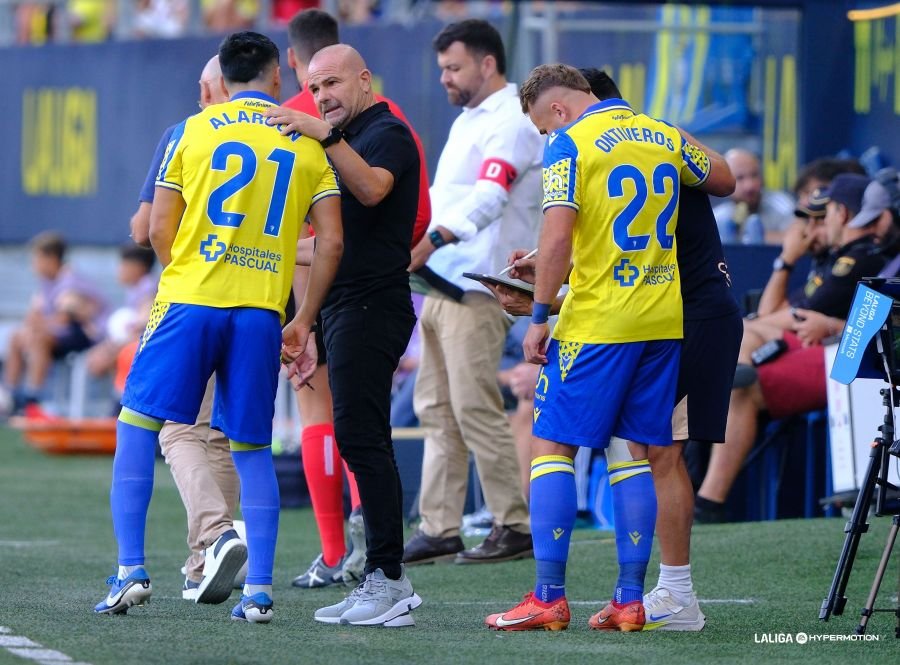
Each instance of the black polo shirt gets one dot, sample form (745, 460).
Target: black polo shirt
(705, 283)
(377, 239)
(857, 259)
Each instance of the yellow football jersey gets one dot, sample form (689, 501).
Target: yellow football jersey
(247, 190)
(621, 172)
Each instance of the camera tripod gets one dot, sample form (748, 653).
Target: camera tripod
(876, 478)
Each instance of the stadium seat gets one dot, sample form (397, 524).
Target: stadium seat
(775, 458)
(74, 393)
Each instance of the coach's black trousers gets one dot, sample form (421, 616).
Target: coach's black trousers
(364, 344)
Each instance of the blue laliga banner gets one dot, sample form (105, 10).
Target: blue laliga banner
(868, 313)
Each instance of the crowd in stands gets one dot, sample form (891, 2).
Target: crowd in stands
(91, 21)
(69, 314)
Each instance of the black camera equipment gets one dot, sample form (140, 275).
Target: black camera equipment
(881, 358)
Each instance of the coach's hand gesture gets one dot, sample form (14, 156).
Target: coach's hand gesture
(294, 339)
(297, 121)
(303, 367)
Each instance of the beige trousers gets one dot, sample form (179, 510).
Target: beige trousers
(458, 403)
(201, 464)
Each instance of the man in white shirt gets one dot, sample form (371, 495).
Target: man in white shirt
(485, 203)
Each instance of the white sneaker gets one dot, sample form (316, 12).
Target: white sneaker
(224, 559)
(663, 612)
(332, 613)
(241, 576)
(354, 565)
(189, 590)
(382, 601)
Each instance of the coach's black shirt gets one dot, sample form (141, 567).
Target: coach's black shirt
(705, 282)
(377, 239)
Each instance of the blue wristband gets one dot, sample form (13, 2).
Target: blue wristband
(540, 312)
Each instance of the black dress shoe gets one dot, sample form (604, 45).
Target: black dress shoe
(423, 548)
(502, 544)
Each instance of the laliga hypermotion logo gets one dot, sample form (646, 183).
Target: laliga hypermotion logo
(212, 248)
(625, 273)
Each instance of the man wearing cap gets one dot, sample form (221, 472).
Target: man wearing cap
(805, 236)
(793, 380)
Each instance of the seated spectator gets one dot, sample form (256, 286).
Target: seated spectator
(806, 235)
(793, 381)
(284, 10)
(752, 216)
(91, 20)
(65, 316)
(355, 12)
(34, 23)
(229, 15)
(160, 18)
(126, 323)
(819, 173)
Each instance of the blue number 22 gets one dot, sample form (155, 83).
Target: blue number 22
(215, 206)
(623, 172)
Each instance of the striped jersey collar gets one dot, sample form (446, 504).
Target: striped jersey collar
(255, 94)
(613, 104)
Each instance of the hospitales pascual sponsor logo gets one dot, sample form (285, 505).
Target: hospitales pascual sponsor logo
(253, 258)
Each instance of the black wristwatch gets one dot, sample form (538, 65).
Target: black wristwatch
(333, 137)
(781, 264)
(437, 239)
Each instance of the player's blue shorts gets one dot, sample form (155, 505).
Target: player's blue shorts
(181, 348)
(587, 393)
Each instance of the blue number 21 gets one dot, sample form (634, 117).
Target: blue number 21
(623, 172)
(215, 206)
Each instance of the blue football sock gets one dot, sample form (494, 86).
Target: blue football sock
(132, 482)
(259, 505)
(634, 503)
(553, 509)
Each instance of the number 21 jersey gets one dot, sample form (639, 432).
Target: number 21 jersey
(247, 190)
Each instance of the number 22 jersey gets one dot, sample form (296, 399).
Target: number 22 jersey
(247, 190)
(621, 172)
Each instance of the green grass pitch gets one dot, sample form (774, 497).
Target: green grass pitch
(57, 548)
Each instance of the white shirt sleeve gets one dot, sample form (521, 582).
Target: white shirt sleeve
(510, 150)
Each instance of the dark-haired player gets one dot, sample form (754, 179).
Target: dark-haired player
(231, 194)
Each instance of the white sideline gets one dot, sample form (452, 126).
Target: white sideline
(21, 646)
(22, 544)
